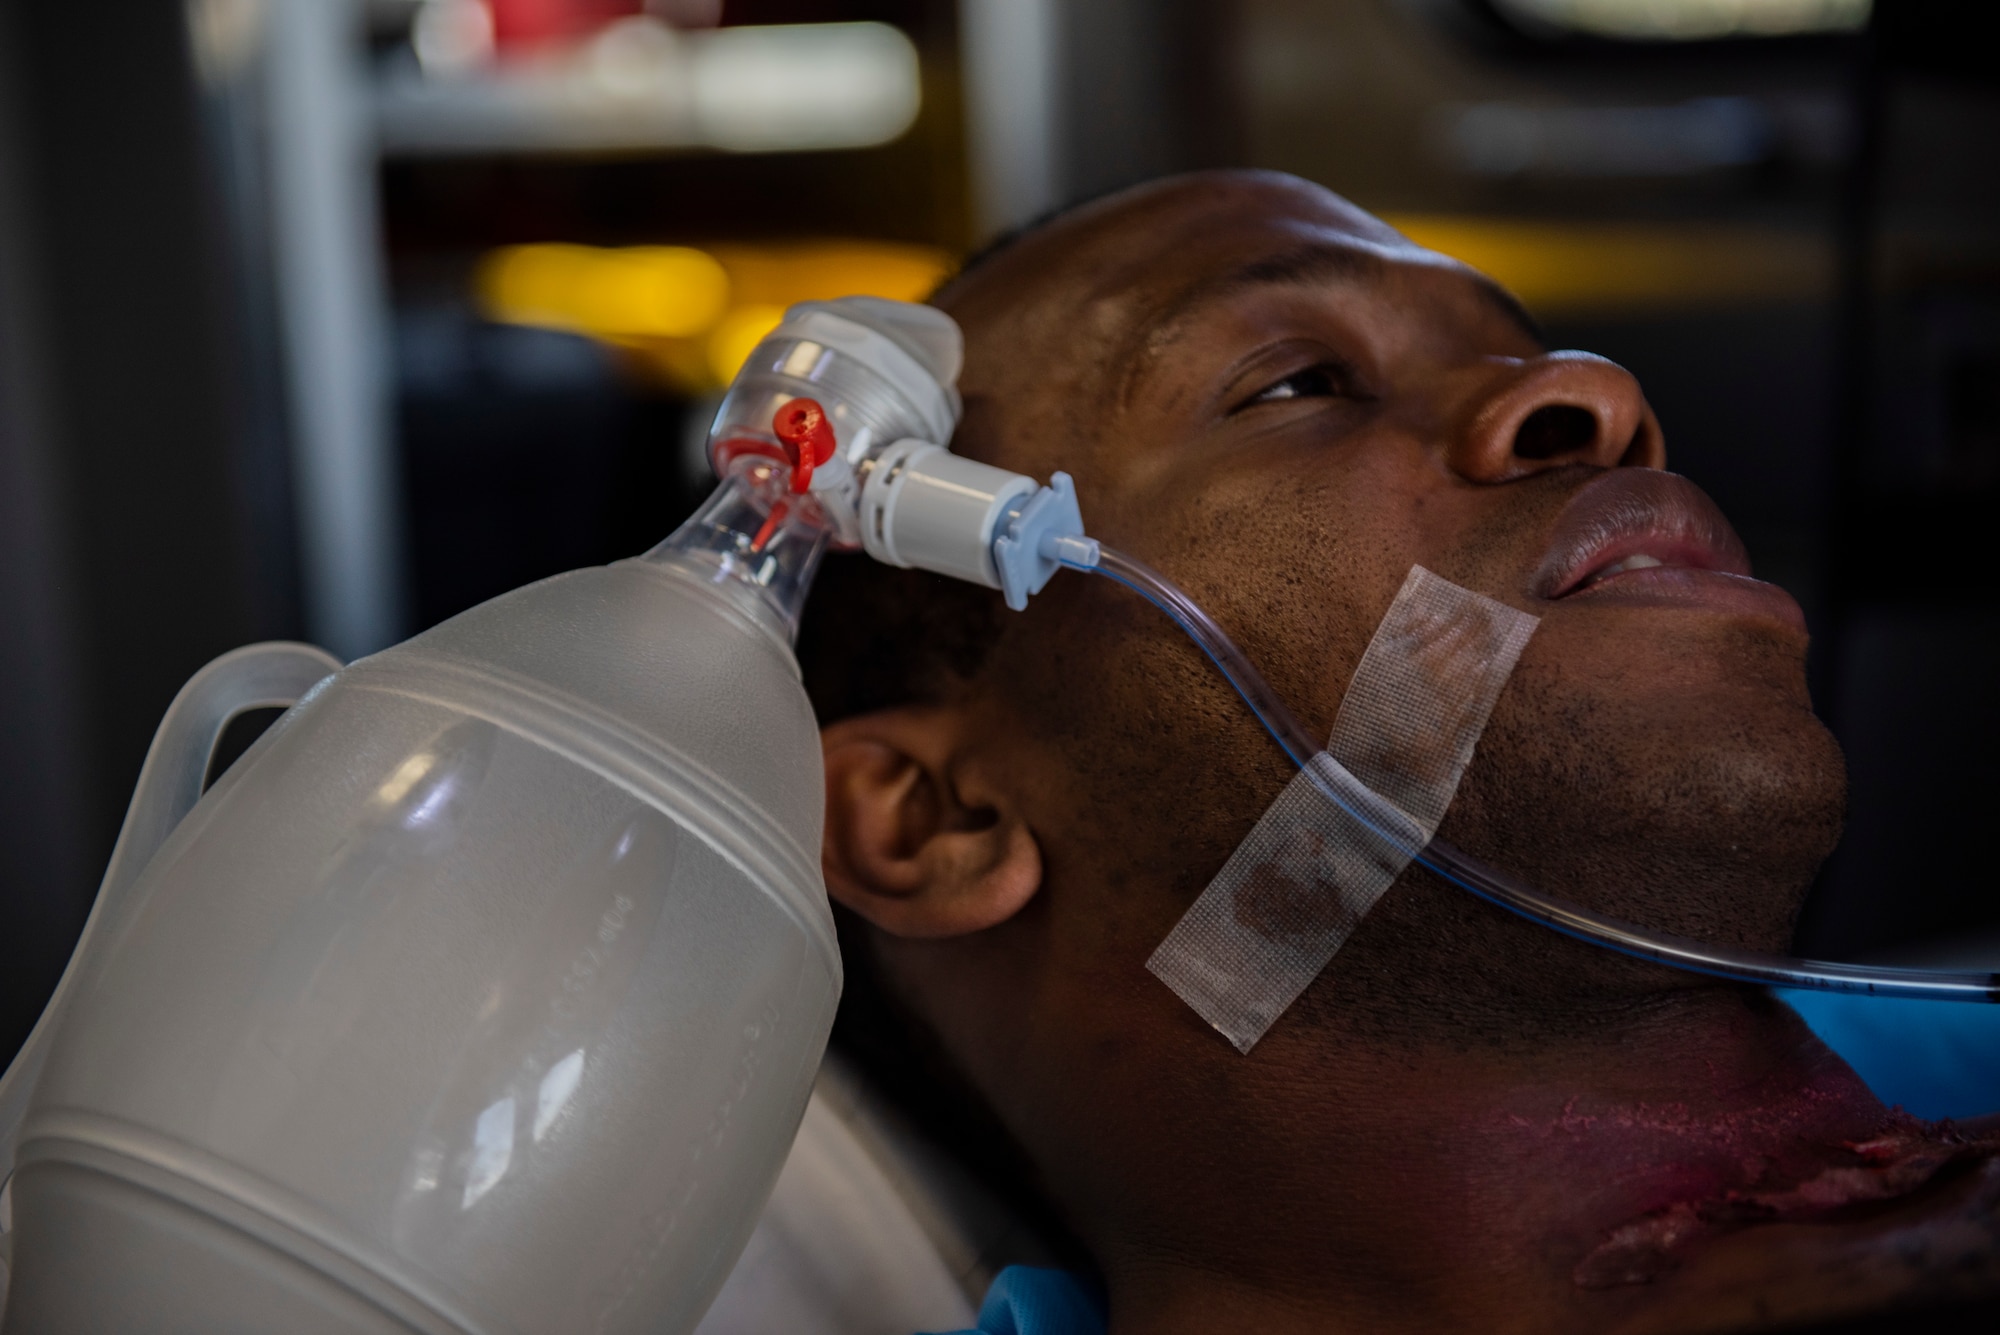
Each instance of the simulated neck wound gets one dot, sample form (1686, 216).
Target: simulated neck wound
(1348, 824)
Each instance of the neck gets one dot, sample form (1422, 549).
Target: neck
(1577, 1185)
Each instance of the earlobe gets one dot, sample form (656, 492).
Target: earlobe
(918, 840)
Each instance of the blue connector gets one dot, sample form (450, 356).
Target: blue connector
(1039, 539)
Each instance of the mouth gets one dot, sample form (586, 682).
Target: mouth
(1640, 536)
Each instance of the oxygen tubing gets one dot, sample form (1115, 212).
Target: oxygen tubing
(1497, 887)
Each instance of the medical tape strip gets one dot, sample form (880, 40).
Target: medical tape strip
(1312, 867)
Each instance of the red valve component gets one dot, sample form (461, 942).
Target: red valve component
(807, 437)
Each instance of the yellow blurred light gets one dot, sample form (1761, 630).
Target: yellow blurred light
(636, 292)
(1588, 268)
(822, 270)
(1695, 20)
(532, 284)
(693, 316)
(651, 292)
(732, 341)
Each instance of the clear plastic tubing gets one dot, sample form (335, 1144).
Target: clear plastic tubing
(1496, 887)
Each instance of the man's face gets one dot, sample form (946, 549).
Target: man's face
(1283, 405)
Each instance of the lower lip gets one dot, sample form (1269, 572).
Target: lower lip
(1706, 590)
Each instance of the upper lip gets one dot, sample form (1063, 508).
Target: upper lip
(1637, 512)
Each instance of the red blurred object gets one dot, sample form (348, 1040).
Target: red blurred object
(807, 436)
(770, 526)
(520, 26)
(724, 453)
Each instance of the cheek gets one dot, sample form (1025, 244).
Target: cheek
(1298, 565)
(1136, 762)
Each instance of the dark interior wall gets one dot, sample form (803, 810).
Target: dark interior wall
(42, 857)
(1916, 713)
(1908, 686)
(1145, 91)
(120, 423)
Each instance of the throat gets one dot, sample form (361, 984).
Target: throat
(1722, 1115)
(1688, 1156)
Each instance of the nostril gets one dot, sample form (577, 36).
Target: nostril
(1555, 430)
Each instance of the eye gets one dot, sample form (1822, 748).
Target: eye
(1326, 380)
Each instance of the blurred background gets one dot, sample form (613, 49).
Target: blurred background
(329, 318)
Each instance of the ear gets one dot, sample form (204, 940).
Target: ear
(919, 840)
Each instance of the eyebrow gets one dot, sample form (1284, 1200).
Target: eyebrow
(1316, 262)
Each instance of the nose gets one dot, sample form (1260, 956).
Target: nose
(1557, 409)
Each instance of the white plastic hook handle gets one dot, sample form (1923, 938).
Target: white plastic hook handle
(257, 676)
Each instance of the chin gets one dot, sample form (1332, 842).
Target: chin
(1693, 791)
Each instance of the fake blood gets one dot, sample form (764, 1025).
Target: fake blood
(1901, 1157)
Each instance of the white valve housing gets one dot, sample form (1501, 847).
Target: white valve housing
(926, 507)
(881, 372)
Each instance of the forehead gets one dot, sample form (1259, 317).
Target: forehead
(1100, 284)
(1171, 263)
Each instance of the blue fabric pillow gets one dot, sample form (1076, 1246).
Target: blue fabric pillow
(1933, 1058)
(1025, 1300)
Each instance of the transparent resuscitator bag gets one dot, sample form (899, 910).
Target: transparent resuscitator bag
(486, 991)
(484, 994)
